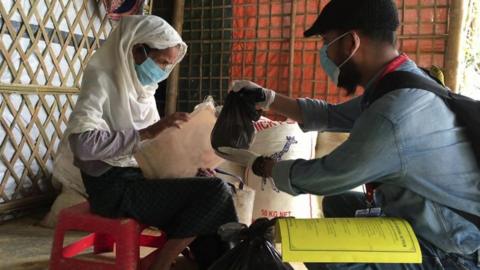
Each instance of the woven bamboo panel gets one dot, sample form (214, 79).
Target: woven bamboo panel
(44, 46)
(31, 128)
(148, 7)
(48, 42)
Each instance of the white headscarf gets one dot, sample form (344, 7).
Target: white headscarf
(111, 96)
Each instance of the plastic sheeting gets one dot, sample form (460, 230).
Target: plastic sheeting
(263, 50)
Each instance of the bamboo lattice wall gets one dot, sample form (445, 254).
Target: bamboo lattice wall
(270, 49)
(205, 70)
(255, 42)
(424, 31)
(44, 46)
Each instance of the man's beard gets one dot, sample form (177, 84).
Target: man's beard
(349, 78)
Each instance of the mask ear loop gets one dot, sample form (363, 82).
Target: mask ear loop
(339, 37)
(336, 39)
(146, 49)
(352, 54)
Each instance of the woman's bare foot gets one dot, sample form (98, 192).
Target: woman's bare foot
(169, 253)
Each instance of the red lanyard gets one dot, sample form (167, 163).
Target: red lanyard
(392, 66)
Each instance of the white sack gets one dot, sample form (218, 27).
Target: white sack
(177, 153)
(286, 141)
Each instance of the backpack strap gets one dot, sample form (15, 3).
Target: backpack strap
(403, 79)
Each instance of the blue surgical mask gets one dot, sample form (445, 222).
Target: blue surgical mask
(332, 70)
(149, 72)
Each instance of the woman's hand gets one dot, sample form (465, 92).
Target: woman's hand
(206, 172)
(173, 120)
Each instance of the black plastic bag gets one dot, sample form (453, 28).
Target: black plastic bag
(234, 126)
(253, 247)
(207, 249)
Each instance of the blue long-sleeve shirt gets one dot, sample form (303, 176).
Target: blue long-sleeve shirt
(410, 142)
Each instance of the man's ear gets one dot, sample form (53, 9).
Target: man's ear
(357, 40)
(352, 43)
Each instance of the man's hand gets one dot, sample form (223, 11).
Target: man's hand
(265, 97)
(263, 166)
(173, 120)
(260, 166)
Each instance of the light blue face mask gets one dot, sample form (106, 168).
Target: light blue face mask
(149, 72)
(328, 65)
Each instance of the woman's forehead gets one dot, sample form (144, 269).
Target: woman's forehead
(168, 53)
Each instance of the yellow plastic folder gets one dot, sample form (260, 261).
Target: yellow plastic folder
(348, 240)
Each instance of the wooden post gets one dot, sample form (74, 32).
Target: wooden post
(291, 73)
(455, 43)
(173, 79)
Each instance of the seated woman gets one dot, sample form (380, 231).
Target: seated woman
(116, 110)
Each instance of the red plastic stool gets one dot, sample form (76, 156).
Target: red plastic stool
(125, 233)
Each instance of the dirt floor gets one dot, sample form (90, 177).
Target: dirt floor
(26, 246)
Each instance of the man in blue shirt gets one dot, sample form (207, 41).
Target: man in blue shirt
(408, 142)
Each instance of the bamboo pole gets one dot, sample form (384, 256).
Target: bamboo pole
(454, 43)
(292, 47)
(30, 202)
(173, 80)
(36, 89)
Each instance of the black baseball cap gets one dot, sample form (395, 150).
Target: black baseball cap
(345, 15)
